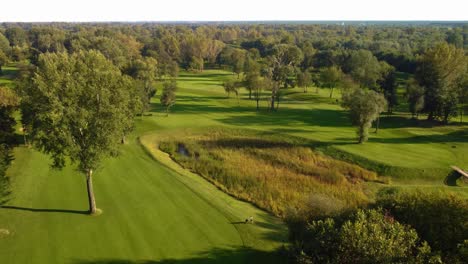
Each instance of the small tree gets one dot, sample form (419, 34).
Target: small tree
(168, 96)
(3, 61)
(231, 86)
(415, 97)
(330, 77)
(365, 107)
(79, 105)
(303, 80)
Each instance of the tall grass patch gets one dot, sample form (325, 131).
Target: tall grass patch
(274, 172)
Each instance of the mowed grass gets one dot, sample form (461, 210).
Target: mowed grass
(154, 211)
(151, 214)
(409, 151)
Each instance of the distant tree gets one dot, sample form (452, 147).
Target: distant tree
(282, 61)
(330, 77)
(238, 61)
(364, 68)
(145, 72)
(365, 107)
(231, 86)
(17, 36)
(168, 95)
(3, 61)
(455, 37)
(440, 72)
(304, 79)
(309, 56)
(415, 97)
(251, 75)
(79, 106)
(389, 87)
(261, 84)
(196, 64)
(4, 44)
(463, 97)
(9, 102)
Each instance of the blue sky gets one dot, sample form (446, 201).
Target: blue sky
(212, 10)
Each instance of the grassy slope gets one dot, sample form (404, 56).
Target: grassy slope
(151, 214)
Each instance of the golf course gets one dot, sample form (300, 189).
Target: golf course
(155, 211)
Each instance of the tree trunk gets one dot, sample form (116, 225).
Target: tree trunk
(430, 116)
(461, 115)
(89, 185)
(257, 103)
(377, 124)
(272, 103)
(250, 94)
(277, 102)
(123, 139)
(331, 92)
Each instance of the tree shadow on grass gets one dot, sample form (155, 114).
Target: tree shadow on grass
(43, 210)
(460, 136)
(451, 179)
(214, 256)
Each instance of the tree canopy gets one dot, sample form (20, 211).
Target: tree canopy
(79, 104)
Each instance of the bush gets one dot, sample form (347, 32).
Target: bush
(439, 218)
(367, 236)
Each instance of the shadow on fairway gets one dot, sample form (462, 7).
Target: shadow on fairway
(41, 210)
(217, 255)
(451, 179)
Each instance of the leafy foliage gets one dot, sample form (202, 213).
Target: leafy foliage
(365, 106)
(367, 236)
(439, 218)
(79, 104)
(168, 96)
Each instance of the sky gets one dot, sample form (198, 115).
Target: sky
(232, 10)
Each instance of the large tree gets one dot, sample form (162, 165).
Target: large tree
(80, 107)
(364, 107)
(440, 72)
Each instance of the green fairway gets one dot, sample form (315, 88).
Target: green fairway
(149, 213)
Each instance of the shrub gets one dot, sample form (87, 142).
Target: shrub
(439, 218)
(367, 236)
